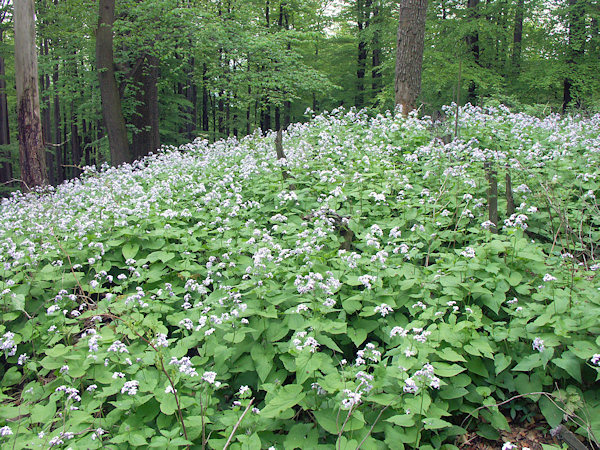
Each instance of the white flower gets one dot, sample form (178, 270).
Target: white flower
(243, 390)
(549, 277)
(5, 431)
(538, 344)
(161, 340)
(508, 446)
(209, 377)
(130, 387)
(468, 252)
(596, 359)
(384, 309)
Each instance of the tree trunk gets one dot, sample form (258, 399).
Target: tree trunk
(472, 40)
(60, 170)
(363, 23)
(518, 37)
(146, 138)
(109, 91)
(575, 48)
(205, 99)
(31, 146)
(409, 53)
(46, 122)
(76, 153)
(5, 156)
(376, 70)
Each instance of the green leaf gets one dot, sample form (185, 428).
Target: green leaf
(57, 351)
(331, 421)
(18, 302)
(528, 363)
(583, 349)
(448, 354)
(447, 370)
(43, 413)
(129, 250)
(431, 423)
(358, 336)
(553, 415)
(501, 362)
(263, 361)
(137, 439)
(160, 256)
(288, 396)
(402, 420)
(515, 278)
(570, 363)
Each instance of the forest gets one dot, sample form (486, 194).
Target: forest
(300, 224)
(226, 68)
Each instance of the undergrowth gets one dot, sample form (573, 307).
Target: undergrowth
(354, 294)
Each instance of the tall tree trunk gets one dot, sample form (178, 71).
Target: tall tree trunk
(46, 122)
(109, 90)
(362, 23)
(146, 138)
(75, 143)
(472, 40)
(409, 54)
(287, 104)
(575, 48)
(31, 145)
(376, 70)
(205, 100)
(60, 170)
(5, 156)
(518, 37)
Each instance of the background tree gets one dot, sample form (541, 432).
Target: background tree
(409, 55)
(111, 101)
(31, 145)
(220, 68)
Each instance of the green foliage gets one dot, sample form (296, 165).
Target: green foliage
(160, 304)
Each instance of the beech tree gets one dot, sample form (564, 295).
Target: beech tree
(409, 54)
(109, 90)
(31, 146)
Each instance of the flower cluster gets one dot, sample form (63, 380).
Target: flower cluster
(421, 378)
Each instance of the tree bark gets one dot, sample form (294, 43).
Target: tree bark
(205, 99)
(60, 170)
(146, 138)
(518, 37)
(576, 47)
(46, 122)
(5, 156)
(472, 40)
(109, 90)
(31, 145)
(376, 70)
(362, 22)
(409, 53)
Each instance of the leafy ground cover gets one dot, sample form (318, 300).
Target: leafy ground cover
(352, 295)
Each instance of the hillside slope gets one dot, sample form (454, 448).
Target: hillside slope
(200, 297)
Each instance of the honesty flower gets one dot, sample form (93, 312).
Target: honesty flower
(384, 309)
(130, 387)
(549, 277)
(538, 344)
(468, 252)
